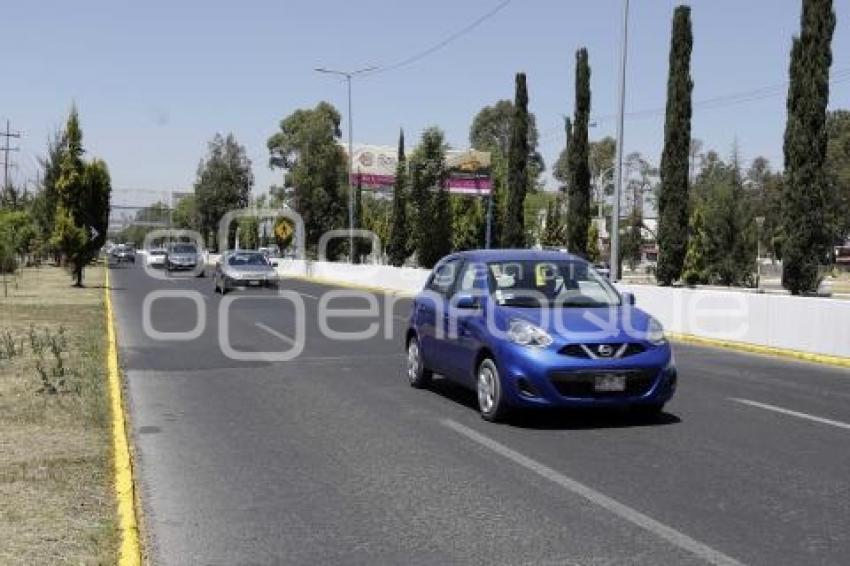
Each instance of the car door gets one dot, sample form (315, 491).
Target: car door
(431, 311)
(465, 326)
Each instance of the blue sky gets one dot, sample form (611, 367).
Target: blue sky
(155, 80)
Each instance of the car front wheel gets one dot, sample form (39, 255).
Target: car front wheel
(491, 402)
(417, 374)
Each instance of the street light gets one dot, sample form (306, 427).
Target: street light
(618, 163)
(348, 75)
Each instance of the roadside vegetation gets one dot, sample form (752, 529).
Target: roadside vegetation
(56, 502)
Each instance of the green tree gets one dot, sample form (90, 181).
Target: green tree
(398, 249)
(806, 235)
(307, 148)
(223, 184)
(554, 233)
(561, 170)
(491, 131)
(593, 253)
(432, 230)
(632, 239)
(83, 192)
(249, 232)
(578, 208)
(729, 225)
(695, 268)
(44, 204)
(838, 168)
(185, 216)
(675, 160)
(468, 222)
(514, 227)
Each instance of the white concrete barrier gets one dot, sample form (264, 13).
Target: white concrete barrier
(804, 324)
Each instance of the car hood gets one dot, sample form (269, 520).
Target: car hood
(570, 324)
(183, 257)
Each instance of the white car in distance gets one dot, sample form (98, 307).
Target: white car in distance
(155, 258)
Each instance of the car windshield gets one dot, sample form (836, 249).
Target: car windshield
(184, 249)
(539, 283)
(157, 252)
(247, 259)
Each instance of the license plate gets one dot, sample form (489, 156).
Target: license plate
(610, 382)
(253, 283)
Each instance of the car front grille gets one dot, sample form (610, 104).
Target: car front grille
(580, 384)
(591, 351)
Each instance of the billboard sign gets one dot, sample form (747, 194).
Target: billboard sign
(468, 170)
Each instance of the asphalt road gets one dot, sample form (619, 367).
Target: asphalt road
(331, 458)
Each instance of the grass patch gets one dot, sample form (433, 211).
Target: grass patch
(56, 496)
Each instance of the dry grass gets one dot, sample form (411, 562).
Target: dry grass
(56, 503)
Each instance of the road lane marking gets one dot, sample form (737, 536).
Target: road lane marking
(633, 516)
(791, 413)
(274, 332)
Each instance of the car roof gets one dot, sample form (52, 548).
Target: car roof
(514, 255)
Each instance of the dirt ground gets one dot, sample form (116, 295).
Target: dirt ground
(56, 496)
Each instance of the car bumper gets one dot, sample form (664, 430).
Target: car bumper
(546, 378)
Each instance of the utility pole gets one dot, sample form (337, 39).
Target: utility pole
(8, 135)
(348, 75)
(618, 163)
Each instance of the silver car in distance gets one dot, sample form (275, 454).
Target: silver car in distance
(244, 268)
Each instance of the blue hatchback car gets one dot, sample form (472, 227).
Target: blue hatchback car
(526, 328)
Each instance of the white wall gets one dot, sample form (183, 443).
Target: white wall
(808, 324)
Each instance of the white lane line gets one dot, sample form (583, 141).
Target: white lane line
(791, 413)
(635, 517)
(274, 332)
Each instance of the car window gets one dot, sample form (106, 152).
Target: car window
(471, 273)
(444, 277)
(247, 259)
(564, 283)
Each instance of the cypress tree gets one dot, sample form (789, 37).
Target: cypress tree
(673, 193)
(805, 188)
(433, 227)
(514, 229)
(398, 248)
(578, 187)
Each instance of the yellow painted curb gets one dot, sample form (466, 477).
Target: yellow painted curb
(838, 361)
(129, 553)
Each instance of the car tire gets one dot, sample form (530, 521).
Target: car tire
(489, 390)
(418, 375)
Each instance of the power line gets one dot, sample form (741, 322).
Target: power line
(447, 40)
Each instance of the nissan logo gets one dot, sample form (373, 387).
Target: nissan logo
(605, 350)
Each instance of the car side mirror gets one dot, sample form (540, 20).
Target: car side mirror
(628, 298)
(467, 301)
(274, 264)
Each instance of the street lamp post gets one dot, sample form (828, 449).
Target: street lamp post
(348, 75)
(618, 163)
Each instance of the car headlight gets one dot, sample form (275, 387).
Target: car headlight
(655, 333)
(524, 333)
